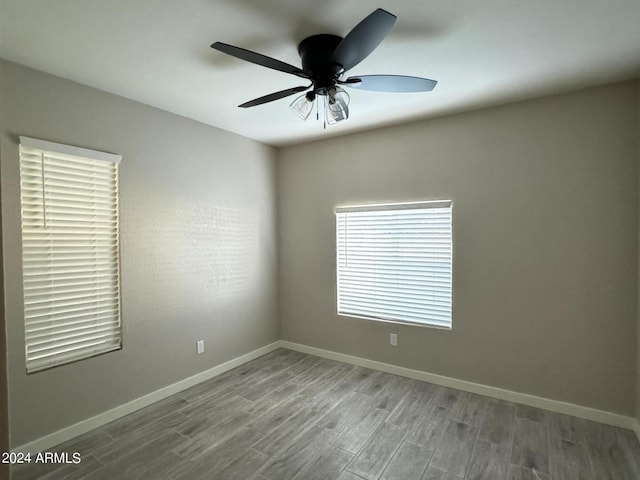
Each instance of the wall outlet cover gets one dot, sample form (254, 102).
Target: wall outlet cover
(199, 347)
(393, 339)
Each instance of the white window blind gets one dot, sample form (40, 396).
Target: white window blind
(394, 262)
(70, 253)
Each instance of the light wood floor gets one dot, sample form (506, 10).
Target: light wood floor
(292, 416)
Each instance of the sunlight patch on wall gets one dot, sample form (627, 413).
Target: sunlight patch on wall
(226, 241)
(191, 254)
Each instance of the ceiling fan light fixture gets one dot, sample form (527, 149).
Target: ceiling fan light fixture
(336, 105)
(303, 105)
(325, 58)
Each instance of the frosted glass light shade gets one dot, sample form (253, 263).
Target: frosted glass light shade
(336, 105)
(303, 105)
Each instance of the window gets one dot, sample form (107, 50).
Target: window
(394, 262)
(70, 253)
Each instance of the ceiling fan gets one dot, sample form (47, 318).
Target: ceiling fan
(325, 58)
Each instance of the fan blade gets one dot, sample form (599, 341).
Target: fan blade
(258, 59)
(390, 83)
(273, 96)
(363, 39)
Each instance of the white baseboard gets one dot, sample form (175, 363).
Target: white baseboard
(587, 413)
(84, 426)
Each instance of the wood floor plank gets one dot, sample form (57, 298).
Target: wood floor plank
(469, 409)
(566, 427)
(193, 446)
(87, 466)
(569, 460)
(409, 463)
(168, 466)
(271, 419)
(454, 451)
(414, 407)
(522, 473)
(279, 394)
(615, 458)
(326, 396)
(273, 441)
(610, 455)
(86, 443)
(597, 434)
(213, 386)
(351, 407)
(328, 465)
(346, 475)
(265, 386)
(325, 393)
(489, 461)
(393, 393)
(531, 413)
(359, 375)
(303, 365)
(628, 443)
(354, 436)
(213, 404)
(428, 431)
(219, 420)
(53, 471)
(319, 370)
(498, 423)
(242, 468)
(568, 471)
(290, 357)
(427, 388)
(387, 389)
(260, 368)
(326, 381)
(134, 440)
(531, 445)
(375, 455)
(213, 460)
(375, 383)
(448, 398)
(142, 418)
(433, 473)
(600, 441)
(32, 471)
(131, 463)
(298, 454)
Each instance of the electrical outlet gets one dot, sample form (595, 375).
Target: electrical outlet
(393, 339)
(200, 347)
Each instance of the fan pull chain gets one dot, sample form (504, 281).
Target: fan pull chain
(324, 117)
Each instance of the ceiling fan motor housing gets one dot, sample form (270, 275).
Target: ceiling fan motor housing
(315, 52)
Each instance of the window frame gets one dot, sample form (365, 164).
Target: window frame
(379, 207)
(69, 208)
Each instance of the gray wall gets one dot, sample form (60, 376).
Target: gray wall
(638, 329)
(545, 199)
(197, 238)
(4, 406)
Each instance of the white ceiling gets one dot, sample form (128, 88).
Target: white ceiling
(481, 52)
